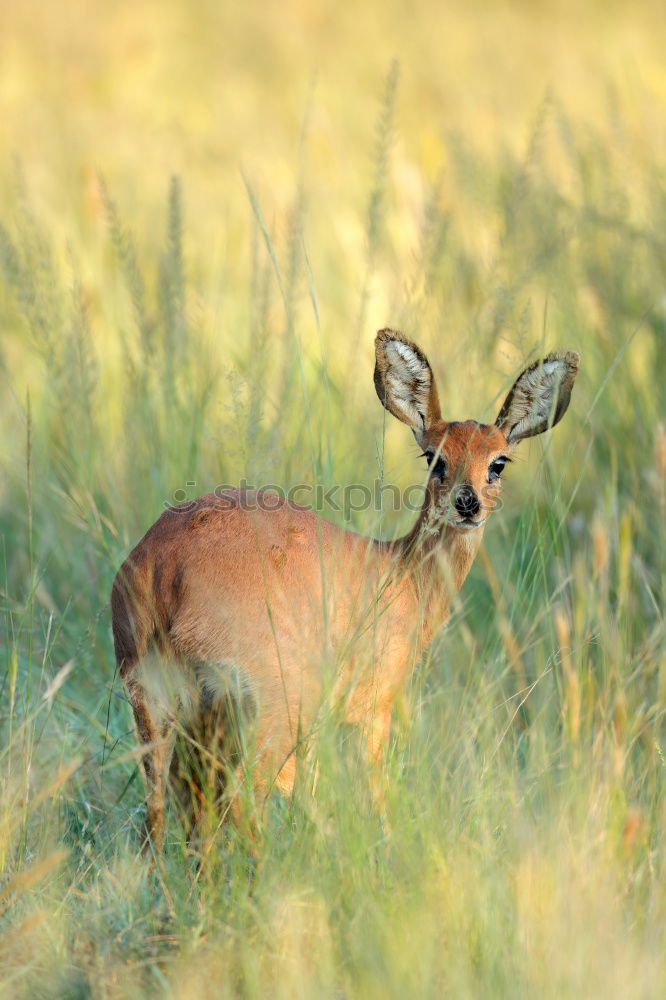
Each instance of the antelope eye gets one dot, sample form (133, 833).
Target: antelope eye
(437, 466)
(495, 469)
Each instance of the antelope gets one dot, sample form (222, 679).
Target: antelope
(243, 603)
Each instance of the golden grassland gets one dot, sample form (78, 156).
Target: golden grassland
(208, 210)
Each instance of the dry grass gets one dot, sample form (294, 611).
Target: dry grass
(499, 191)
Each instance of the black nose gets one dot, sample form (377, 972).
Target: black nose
(467, 503)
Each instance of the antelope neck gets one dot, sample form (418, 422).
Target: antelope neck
(437, 558)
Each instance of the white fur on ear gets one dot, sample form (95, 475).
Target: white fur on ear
(408, 380)
(404, 381)
(540, 396)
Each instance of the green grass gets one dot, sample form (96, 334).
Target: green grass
(145, 350)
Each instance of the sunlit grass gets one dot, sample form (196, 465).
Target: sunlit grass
(496, 191)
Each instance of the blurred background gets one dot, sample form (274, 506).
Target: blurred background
(208, 209)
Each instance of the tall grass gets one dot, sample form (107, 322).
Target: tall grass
(522, 852)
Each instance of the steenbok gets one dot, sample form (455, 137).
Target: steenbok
(245, 607)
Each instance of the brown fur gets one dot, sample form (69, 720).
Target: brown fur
(275, 610)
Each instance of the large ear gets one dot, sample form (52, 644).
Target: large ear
(540, 396)
(405, 383)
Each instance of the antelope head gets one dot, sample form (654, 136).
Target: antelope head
(466, 459)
